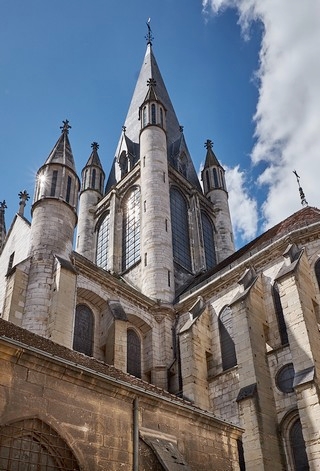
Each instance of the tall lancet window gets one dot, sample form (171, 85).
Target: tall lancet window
(133, 353)
(228, 351)
(83, 330)
(103, 243)
(131, 229)
(208, 240)
(180, 229)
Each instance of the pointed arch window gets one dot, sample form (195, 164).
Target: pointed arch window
(54, 183)
(83, 330)
(103, 243)
(208, 241)
(228, 351)
(133, 353)
(93, 181)
(215, 178)
(31, 444)
(123, 163)
(279, 314)
(153, 114)
(180, 229)
(298, 447)
(131, 229)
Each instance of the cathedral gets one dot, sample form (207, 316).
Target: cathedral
(133, 335)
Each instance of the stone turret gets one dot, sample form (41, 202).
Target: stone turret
(157, 271)
(214, 186)
(92, 184)
(54, 218)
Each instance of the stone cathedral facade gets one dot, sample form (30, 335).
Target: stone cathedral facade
(153, 344)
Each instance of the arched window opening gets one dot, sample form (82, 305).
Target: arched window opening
(131, 229)
(93, 181)
(183, 165)
(133, 353)
(208, 179)
(123, 163)
(103, 243)
(68, 189)
(228, 351)
(215, 178)
(161, 117)
(54, 183)
(317, 271)
(144, 116)
(153, 114)
(279, 314)
(83, 330)
(33, 445)
(208, 240)
(298, 447)
(100, 182)
(180, 229)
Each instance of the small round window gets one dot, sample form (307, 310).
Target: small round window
(285, 377)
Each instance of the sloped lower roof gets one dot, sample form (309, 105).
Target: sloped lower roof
(303, 218)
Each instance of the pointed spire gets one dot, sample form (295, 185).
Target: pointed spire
(62, 153)
(3, 231)
(24, 197)
(304, 202)
(211, 158)
(94, 157)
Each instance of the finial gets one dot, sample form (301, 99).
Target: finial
(208, 144)
(304, 202)
(124, 129)
(3, 205)
(66, 126)
(95, 146)
(149, 36)
(24, 197)
(181, 128)
(151, 82)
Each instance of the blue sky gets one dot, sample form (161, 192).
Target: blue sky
(79, 60)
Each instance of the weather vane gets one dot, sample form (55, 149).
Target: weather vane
(304, 202)
(149, 36)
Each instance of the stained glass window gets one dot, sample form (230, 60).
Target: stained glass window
(103, 243)
(31, 444)
(83, 330)
(208, 240)
(298, 447)
(131, 229)
(180, 229)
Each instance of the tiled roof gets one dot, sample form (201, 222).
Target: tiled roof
(23, 336)
(302, 218)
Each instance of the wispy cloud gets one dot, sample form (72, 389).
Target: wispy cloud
(287, 118)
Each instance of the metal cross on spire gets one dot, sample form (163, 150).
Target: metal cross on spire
(208, 144)
(304, 202)
(149, 36)
(95, 146)
(66, 126)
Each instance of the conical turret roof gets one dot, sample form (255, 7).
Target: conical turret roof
(211, 159)
(94, 157)
(61, 152)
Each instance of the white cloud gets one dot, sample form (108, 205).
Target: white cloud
(287, 117)
(243, 208)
